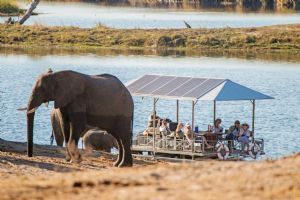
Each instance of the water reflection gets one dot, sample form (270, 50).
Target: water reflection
(272, 56)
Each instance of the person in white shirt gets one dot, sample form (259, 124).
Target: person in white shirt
(164, 128)
(244, 134)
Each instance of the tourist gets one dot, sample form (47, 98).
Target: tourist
(178, 132)
(188, 133)
(244, 134)
(190, 136)
(217, 128)
(164, 128)
(151, 119)
(233, 131)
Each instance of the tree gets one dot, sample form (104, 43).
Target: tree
(29, 11)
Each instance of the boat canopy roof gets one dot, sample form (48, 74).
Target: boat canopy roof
(189, 88)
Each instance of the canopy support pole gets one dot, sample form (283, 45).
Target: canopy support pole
(177, 111)
(215, 107)
(253, 115)
(154, 125)
(193, 123)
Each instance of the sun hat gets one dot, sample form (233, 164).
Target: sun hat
(245, 124)
(187, 124)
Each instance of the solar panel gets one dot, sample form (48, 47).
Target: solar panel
(152, 86)
(203, 88)
(187, 86)
(141, 82)
(191, 88)
(171, 85)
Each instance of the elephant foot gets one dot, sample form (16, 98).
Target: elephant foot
(76, 161)
(68, 157)
(125, 164)
(117, 163)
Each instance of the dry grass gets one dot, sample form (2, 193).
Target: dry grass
(282, 37)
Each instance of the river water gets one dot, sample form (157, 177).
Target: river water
(89, 15)
(277, 121)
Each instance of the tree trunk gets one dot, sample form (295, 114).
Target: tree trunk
(28, 13)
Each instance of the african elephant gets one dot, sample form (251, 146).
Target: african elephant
(95, 139)
(56, 121)
(100, 101)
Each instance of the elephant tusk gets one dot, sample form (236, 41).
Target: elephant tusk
(32, 110)
(22, 109)
(47, 104)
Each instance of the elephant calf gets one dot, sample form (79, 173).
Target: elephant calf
(95, 139)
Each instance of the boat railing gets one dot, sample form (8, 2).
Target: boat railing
(173, 144)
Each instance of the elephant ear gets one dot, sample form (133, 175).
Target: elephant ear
(68, 86)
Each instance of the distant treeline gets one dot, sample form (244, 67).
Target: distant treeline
(234, 5)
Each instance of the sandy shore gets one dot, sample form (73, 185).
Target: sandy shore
(48, 176)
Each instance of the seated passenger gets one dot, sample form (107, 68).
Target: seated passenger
(190, 135)
(164, 128)
(244, 134)
(151, 119)
(150, 130)
(233, 131)
(217, 128)
(178, 132)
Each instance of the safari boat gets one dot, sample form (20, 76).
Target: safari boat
(194, 89)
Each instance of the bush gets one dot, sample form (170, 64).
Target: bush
(8, 6)
(250, 39)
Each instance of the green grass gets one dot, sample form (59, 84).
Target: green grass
(274, 38)
(8, 7)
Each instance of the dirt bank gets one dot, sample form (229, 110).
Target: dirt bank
(48, 176)
(272, 38)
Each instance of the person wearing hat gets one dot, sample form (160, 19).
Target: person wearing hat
(244, 134)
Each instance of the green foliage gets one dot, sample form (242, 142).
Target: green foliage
(8, 6)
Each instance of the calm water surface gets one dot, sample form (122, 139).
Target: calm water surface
(277, 121)
(89, 15)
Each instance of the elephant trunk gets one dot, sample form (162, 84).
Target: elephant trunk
(34, 102)
(30, 122)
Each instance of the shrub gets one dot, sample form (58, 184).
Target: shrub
(8, 6)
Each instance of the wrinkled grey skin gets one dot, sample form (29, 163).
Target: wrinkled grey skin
(96, 139)
(57, 129)
(100, 101)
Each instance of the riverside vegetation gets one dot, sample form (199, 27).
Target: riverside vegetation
(9, 8)
(280, 37)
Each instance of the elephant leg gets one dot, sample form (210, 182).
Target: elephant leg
(77, 124)
(127, 157)
(120, 155)
(66, 134)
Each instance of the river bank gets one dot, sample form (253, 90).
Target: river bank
(48, 176)
(284, 38)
